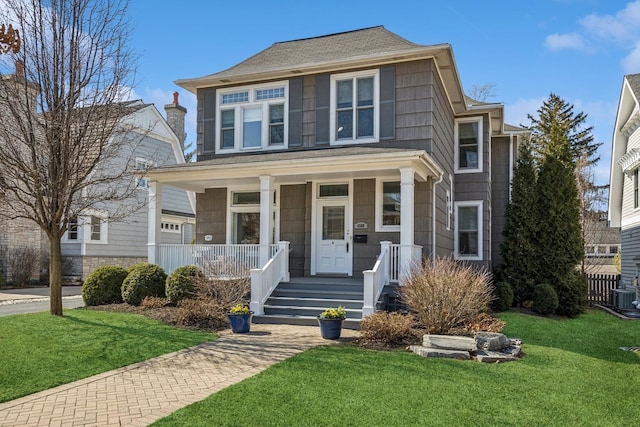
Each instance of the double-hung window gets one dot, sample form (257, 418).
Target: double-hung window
(468, 231)
(354, 101)
(252, 117)
(468, 143)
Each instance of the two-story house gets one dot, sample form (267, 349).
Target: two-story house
(624, 202)
(358, 149)
(92, 240)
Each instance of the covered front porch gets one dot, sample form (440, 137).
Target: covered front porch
(350, 212)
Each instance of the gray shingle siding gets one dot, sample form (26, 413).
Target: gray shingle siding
(630, 247)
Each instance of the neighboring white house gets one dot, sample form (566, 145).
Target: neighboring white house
(624, 201)
(92, 240)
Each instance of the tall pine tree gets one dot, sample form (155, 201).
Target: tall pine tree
(560, 246)
(520, 263)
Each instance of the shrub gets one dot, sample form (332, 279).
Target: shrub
(545, 299)
(572, 294)
(143, 280)
(446, 294)
(382, 329)
(224, 292)
(154, 302)
(181, 283)
(22, 263)
(104, 285)
(503, 296)
(202, 314)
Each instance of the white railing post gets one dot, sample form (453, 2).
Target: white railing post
(367, 306)
(284, 248)
(256, 304)
(385, 247)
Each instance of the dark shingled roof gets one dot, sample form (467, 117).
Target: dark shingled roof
(634, 83)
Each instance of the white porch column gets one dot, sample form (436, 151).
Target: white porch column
(154, 232)
(407, 179)
(266, 218)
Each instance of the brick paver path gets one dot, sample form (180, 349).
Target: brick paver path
(140, 394)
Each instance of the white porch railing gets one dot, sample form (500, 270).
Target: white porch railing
(389, 267)
(214, 260)
(264, 280)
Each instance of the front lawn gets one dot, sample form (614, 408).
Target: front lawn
(39, 351)
(573, 374)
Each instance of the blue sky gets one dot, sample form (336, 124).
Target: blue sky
(577, 49)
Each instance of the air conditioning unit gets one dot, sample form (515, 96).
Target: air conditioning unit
(622, 298)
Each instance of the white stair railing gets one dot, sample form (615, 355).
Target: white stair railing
(264, 280)
(376, 279)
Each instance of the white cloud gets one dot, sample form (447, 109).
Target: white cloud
(631, 63)
(516, 114)
(565, 41)
(622, 27)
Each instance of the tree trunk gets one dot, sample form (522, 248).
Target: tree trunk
(55, 276)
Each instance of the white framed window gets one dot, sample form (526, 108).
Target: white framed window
(468, 145)
(244, 214)
(354, 107)
(252, 117)
(449, 209)
(142, 165)
(468, 230)
(387, 205)
(170, 227)
(635, 190)
(329, 190)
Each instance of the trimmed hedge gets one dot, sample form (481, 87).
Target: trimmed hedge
(104, 285)
(182, 282)
(503, 296)
(143, 280)
(545, 299)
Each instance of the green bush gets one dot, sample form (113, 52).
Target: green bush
(104, 285)
(182, 283)
(503, 296)
(545, 299)
(143, 280)
(572, 294)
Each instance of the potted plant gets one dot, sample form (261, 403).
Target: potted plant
(330, 322)
(240, 318)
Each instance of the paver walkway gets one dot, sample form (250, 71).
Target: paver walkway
(140, 394)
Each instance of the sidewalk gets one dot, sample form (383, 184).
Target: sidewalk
(12, 296)
(142, 393)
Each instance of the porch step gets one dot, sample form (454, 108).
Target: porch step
(316, 303)
(355, 314)
(299, 320)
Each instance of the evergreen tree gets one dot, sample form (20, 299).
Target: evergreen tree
(519, 246)
(556, 123)
(560, 246)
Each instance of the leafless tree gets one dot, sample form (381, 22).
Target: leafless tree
(483, 92)
(62, 129)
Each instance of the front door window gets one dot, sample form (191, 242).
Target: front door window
(333, 223)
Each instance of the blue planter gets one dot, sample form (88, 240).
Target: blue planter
(240, 323)
(330, 328)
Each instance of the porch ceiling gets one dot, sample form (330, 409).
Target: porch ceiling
(297, 167)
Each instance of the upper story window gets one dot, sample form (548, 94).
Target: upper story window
(468, 142)
(143, 165)
(354, 107)
(252, 118)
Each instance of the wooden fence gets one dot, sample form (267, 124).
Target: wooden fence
(600, 286)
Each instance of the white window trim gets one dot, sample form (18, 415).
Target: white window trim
(456, 159)
(65, 236)
(379, 201)
(479, 205)
(238, 107)
(232, 209)
(165, 226)
(376, 108)
(142, 182)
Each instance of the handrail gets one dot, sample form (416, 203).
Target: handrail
(376, 279)
(264, 280)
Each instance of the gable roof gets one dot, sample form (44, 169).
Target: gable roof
(359, 48)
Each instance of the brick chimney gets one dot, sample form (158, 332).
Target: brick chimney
(175, 118)
(18, 90)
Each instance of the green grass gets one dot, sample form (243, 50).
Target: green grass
(574, 374)
(40, 351)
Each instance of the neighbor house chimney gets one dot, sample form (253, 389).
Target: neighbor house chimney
(16, 89)
(175, 119)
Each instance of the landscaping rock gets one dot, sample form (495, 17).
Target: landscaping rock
(491, 341)
(449, 342)
(486, 356)
(440, 353)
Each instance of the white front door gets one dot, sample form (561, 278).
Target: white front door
(333, 251)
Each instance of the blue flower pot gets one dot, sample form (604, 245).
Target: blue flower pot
(330, 328)
(240, 323)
